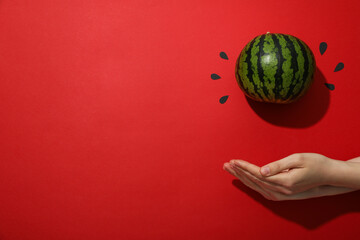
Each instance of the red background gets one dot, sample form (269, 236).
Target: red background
(111, 127)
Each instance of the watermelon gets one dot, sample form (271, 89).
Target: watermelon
(275, 68)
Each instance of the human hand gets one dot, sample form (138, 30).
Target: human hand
(357, 160)
(298, 176)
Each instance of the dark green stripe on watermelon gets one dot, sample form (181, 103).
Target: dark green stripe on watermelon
(250, 74)
(259, 68)
(241, 67)
(306, 70)
(279, 70)
(294, 66)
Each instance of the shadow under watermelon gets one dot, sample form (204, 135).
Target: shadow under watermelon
(304, 113)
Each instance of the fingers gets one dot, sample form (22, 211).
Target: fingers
(249, 175)
(292, 161)
(280, 179)
(252, 172)
(245, 180)
(270, 192)
(251, 168)
(232, 171)
(255, 184)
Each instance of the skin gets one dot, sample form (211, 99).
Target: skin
(298, 176)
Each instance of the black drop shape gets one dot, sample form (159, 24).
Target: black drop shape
(224, 56)
(224, 99)
(214, 76)
(330, 86)
(339, 67)
(323, 47)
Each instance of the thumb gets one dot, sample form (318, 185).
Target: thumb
(280, 165)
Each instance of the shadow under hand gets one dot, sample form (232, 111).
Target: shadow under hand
(309, 213)
(303, 113)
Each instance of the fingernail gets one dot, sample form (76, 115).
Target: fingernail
(232, 165)
(265, 170)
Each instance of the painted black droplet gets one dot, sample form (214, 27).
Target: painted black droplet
(339, 67)
(224, 99)
(330, 86)
(323, 47)
(224, 56)
(214, 76)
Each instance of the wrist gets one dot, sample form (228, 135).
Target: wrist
(343, 174)
(335, 169)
